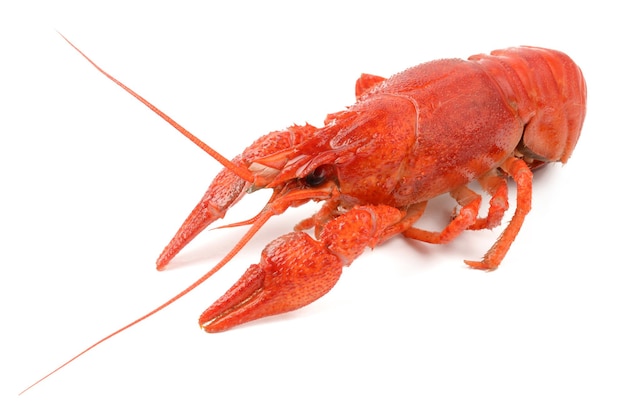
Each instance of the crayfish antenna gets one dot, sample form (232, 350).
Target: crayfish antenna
(240, 171)
(261, 220)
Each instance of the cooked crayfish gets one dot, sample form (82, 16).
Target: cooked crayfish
(429, 130)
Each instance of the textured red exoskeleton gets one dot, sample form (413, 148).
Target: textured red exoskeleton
(429, 130)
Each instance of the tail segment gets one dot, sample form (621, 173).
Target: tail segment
(549, 92)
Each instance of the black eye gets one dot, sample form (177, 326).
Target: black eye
(317, 177)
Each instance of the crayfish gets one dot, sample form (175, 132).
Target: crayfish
(429, 130)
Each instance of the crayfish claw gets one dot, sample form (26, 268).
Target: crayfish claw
(225, 190)
(283, 281)
(296, 269)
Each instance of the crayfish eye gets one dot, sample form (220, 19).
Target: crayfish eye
(317, 176)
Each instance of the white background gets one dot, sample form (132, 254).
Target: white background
(93, 185)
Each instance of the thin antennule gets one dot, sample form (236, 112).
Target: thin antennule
(261, 220)
(240, 171)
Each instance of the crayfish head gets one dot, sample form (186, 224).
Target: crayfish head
(303, 154)
(277, 160)
(303, 171)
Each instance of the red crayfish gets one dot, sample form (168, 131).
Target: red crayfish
(429, 130)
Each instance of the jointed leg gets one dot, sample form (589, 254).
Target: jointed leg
(496, 185)
(523, 177)
(470, 204)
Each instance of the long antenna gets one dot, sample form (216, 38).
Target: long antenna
(240, 171)
(261, 220)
